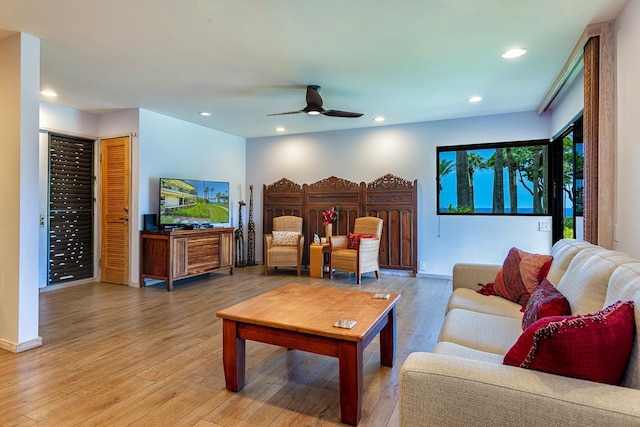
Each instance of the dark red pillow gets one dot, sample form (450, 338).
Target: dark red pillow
(354, 239)
(593, 347)
(545, 301)
(520, 274)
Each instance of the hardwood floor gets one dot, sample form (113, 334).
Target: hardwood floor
(115, 356)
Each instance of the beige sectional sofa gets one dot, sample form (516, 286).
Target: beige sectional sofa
(463, 381)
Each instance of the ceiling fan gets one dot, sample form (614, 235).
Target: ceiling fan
(314, 106)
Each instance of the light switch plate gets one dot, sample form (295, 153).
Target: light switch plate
(544, 226)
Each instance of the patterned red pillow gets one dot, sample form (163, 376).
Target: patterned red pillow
(545, 301)
(520, 274)
(354, 239)
(593, 347)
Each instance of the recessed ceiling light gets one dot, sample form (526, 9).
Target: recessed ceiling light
(514, 53)
(205, 114)
(280, 129)
(48, 93)
(475, 99)
(379, 119)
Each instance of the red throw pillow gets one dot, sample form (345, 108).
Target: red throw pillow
(545, 301)
(354, 239)
(520, 274)
(593, 347)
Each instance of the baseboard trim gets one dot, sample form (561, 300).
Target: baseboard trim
(434, 276)
(23, 346)
(403, 273)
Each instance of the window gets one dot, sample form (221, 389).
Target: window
(568, 209)
(494, 179)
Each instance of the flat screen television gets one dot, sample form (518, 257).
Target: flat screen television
(193, 202)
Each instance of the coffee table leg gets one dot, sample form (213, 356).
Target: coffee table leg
(350, 361)
(233, 355)
(388, 340)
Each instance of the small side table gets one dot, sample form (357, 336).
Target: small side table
(316, 259)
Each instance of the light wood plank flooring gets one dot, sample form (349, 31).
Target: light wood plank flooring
(117, 356)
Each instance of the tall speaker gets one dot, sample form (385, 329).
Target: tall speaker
(150, 222)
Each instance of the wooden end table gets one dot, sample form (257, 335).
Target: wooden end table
(301, 317)
(316, 258)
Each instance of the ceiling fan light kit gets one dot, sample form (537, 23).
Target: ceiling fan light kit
(314, 106)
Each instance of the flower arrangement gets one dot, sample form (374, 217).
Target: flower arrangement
(330, 215)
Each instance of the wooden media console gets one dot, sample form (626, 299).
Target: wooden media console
(177, 254)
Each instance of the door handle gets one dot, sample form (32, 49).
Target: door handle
(125, 218)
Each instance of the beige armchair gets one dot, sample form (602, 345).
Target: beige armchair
(284, 246)
(365, 257)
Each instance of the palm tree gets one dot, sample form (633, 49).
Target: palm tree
(475, 161)
(445, 168)
(462, 179)
(532, 173)
(513, 189)
(498, 182)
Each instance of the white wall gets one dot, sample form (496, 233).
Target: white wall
(627, 201)
(19, 86)
(408, 151)
(170, 147)
(569, 107)
(68, 121)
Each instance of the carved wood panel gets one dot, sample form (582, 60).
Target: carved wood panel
(389, 197)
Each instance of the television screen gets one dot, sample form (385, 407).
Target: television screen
(193, 202)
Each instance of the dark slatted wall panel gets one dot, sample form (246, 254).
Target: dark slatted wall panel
(70, 209)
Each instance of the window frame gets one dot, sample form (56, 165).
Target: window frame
(495, 145)
(576, 126)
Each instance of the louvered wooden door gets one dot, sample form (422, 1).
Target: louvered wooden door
(115, 165)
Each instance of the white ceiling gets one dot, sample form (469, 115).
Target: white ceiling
(409, 60)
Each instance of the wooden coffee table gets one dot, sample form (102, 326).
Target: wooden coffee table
(301, 317)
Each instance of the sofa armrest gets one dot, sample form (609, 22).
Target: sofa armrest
(443, 390)
(469, 275)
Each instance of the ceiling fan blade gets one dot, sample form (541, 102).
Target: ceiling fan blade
(314, 106)
(288, 112)
(313, 96)
(338, 113)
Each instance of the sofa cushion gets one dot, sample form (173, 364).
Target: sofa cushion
(458, 350)
(545, 301)
(593, 347)
(480, 331)
(584, 284)
(284, 238)
(563, 251)
(471, 300)
(624, 285)
(520, 274)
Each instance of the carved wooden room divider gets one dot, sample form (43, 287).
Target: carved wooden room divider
(389, 197)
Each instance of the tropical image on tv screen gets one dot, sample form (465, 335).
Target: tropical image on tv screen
(191, 201)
